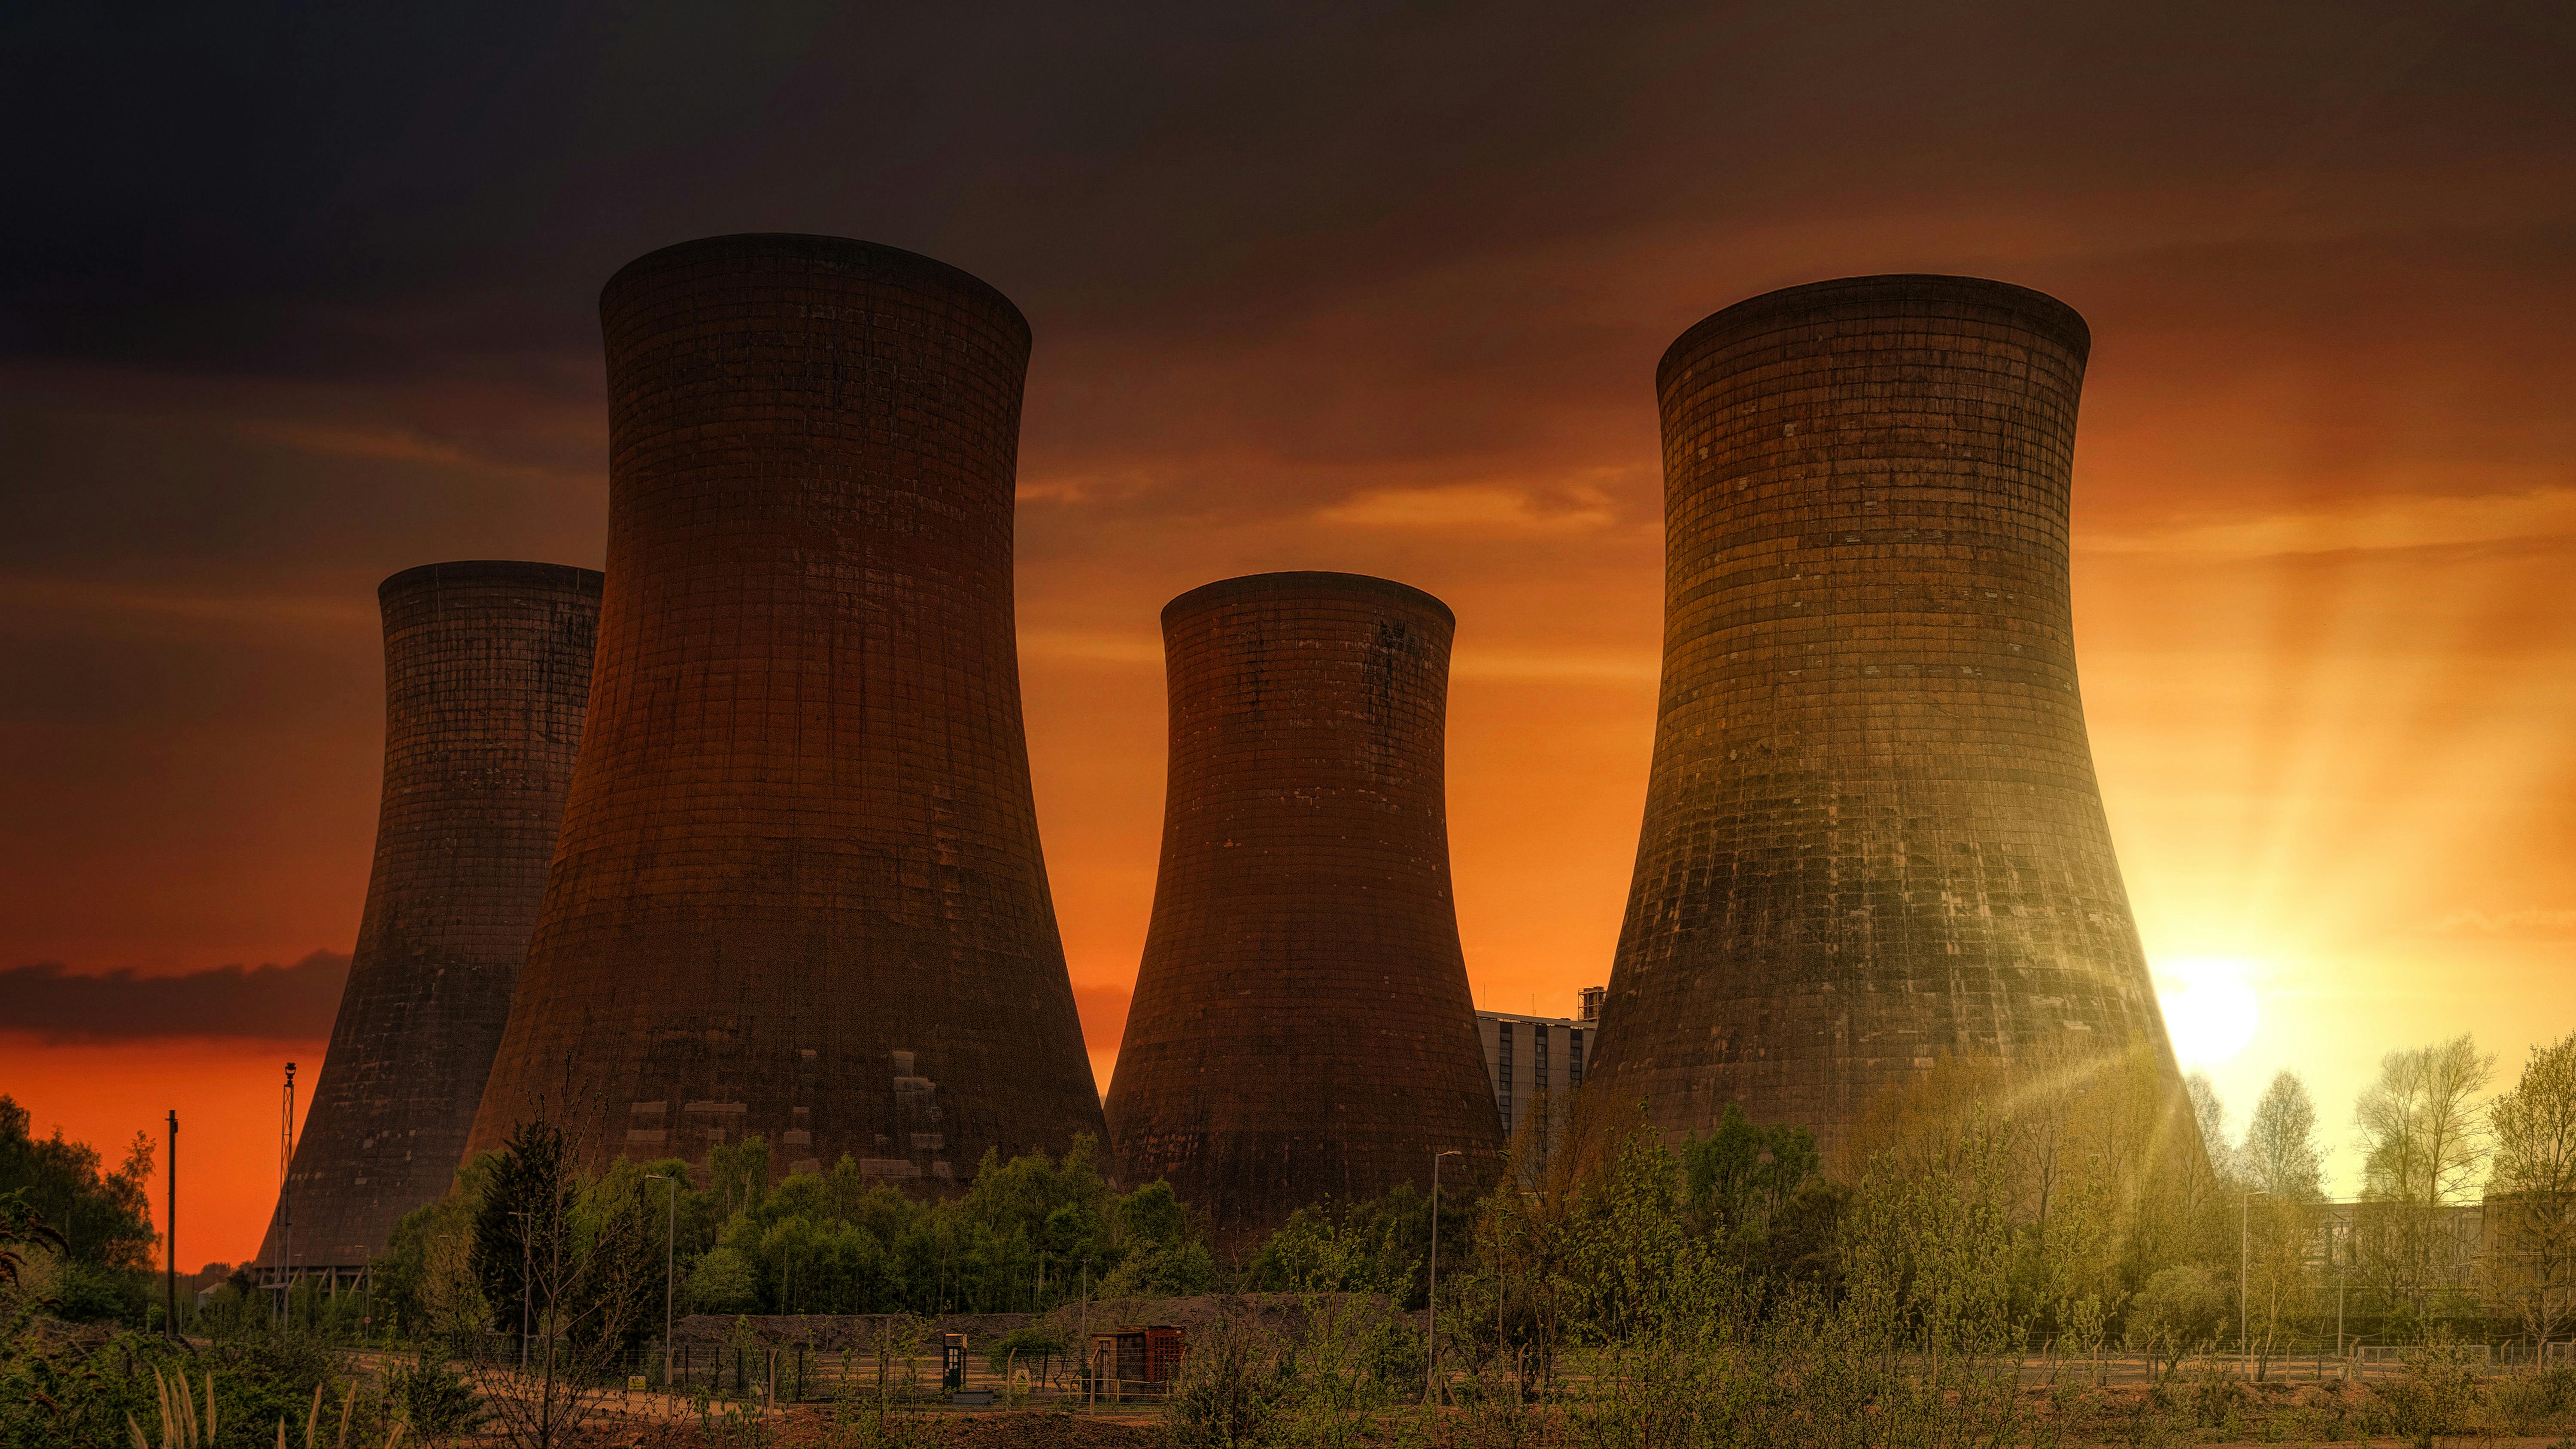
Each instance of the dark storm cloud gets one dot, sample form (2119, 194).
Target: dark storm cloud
(292, 297)
(281, 1003)
(317, 190)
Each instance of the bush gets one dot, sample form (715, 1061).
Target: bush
(2179, 1310)
(1228, 1393)
(433, 1398)
(2218, 1397)
(266, 1373)
(724, 1282)
(2437, 1393)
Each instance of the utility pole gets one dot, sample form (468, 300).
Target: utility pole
(286, 1200)
(670, 1270)
(170, 1224)
(1431, 1339)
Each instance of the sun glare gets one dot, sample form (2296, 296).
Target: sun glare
(2209, 1006)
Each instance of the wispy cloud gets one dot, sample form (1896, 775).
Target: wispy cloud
(2528, 925)
(1625, 666)
(279, 1003)
(94, 597)
(1473, 508)
(397, 445)
(383, 444)
(1091, 646)
(2375, 523)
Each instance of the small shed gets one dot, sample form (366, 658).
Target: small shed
(1138, 1361)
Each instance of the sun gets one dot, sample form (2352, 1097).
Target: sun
(2209, 1005)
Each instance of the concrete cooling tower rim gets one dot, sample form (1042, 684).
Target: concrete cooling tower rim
(1302, 584)
(489, 570)
(829, 250)
(1880, 296)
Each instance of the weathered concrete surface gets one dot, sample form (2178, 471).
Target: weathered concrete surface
(1872, 833)
(487, 673)
(1302, 1027)
(800, 891)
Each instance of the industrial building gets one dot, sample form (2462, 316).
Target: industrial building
(487, 676)
(1302, 1028)
(1527, 1056)
(1872, 835)
(800, 892)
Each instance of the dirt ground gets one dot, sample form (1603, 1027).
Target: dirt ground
(809, 1428)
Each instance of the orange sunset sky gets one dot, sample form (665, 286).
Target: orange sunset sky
(1312, 288)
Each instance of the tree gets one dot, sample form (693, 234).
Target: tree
(2209, 1114)
(578, 1262)
(2106, 1174)
(527, 1194)
(2423, 1142)
(1741, 1174)
(2283, 1175)
(2180, 1309)
(23, 1230)
(2530, 1262)
(426, 1278)
(101, 1268)
(2280, 1154)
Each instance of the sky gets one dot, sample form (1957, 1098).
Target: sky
(292, 299)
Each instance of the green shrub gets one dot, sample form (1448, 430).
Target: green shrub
(2436, 1394)
(433, 1398)
(1228, 1393)
(2179, 1310)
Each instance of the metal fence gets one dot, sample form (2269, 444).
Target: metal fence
(785, 1374)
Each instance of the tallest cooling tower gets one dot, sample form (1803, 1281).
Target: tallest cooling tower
(799, 892)
(1872, 835)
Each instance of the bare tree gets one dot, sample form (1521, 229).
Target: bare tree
(2530, 1263)
(2209, 1114)
(2282, 1171)
(2280, 1153)
(2423, 1141)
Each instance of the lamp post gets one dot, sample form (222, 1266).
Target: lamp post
(670, 1269)
(1431, 1339)
(527, 1288)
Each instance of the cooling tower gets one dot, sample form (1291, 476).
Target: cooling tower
(487, 669)
(1301, 1027)
(1872, 834)
(799, 893)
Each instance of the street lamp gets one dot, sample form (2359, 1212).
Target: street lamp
(670, 1269)
(1431, 1368)
(527, 1288)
